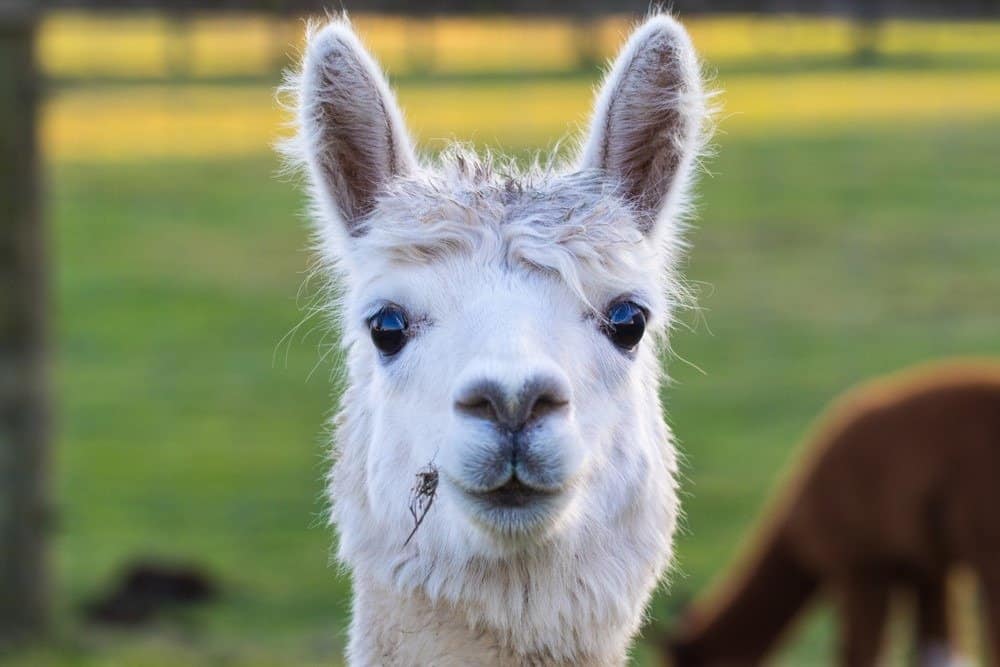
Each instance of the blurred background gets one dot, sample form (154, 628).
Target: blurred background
(169, 394)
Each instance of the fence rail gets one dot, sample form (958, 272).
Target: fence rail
(856, 8)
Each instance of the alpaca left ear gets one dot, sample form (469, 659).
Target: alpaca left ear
(646, 131)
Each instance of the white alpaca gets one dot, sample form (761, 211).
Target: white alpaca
(493, 321)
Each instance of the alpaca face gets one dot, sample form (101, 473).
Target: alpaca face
(482, 359)
(501, 329)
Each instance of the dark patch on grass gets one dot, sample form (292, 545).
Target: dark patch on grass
(145, 589)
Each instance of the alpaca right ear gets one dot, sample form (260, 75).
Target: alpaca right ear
(646, 131)
(351, 131)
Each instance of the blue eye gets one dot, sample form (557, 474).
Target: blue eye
(388, 330)
(626, 324)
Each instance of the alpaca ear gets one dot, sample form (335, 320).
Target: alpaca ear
(351, 132)
(646, 131)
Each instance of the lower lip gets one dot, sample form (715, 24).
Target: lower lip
(515, 511)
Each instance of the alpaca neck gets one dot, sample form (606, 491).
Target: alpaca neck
(393, 628)
(408, 629)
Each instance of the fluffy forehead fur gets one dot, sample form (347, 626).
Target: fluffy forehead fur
(574, 227)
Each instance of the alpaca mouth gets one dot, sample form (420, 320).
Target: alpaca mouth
(514, 509)
(513, 494)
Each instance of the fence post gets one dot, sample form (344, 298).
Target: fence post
(24, 427)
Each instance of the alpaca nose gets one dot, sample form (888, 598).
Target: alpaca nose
(513, 408)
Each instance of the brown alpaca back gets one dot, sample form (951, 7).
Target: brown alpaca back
(900, 482)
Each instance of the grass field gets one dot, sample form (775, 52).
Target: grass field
(850, 227)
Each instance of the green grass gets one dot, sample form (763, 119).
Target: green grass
(821, 259)
(184, 431)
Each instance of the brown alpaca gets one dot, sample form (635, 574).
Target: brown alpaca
(900, 484)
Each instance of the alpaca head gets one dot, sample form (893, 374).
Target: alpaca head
(501, 325)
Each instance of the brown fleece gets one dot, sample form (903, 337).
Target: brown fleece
(900, 483)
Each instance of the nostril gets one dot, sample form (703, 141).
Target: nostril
(542, 396)
(480, 408)
(482, 400)
(545, 405)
